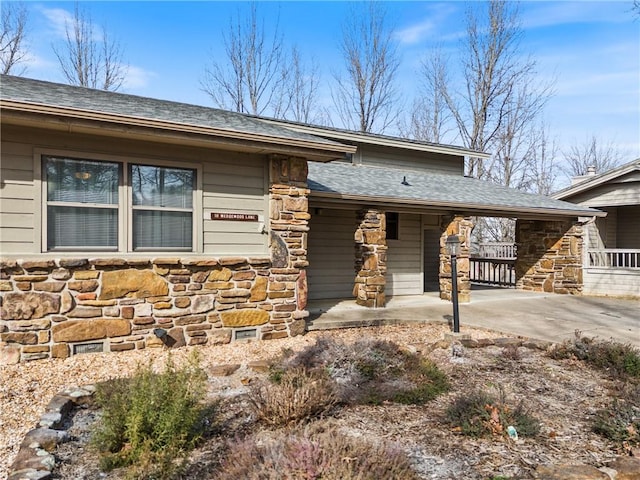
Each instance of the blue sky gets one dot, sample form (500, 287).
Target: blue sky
(591, 49)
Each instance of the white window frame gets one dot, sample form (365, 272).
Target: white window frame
(125, 202)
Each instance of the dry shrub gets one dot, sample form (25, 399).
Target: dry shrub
(317, 452)
(292, 396)
(373, 371)
(620, 421)
(511, 352)
(620, 360)
(479, 413)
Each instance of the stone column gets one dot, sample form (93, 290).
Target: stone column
(549, 256)
(371, 258)
(289, 226)
(461, 226)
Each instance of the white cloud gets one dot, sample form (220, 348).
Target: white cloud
(137, 78)
(547, 14)
(58, 19)
(415, 33)
(428, 26)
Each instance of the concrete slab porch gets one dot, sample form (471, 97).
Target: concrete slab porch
(535, 315)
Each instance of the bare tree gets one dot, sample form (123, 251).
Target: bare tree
(497, 83)
(90, 59)
(298, 98)
(635, 9)
(544, 167)
(12, 38)
(430, 119)
(514, 156)
(592, 153)
(366, 97)
(250, 80)
(496, 105)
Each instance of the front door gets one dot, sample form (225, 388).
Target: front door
(431, 267)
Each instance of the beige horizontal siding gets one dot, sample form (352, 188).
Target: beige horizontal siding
(404, 258)
(17, 193)
(410, 160)
(231, 183)
(17, 219)
(331, 254)
(234, 184)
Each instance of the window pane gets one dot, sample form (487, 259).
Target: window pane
(162, 187)
(161, 229)
(82, 181)
(82, 227)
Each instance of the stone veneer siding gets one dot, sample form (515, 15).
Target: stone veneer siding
(371, 258)
(549, 256)
(50, 305)
(461, 226)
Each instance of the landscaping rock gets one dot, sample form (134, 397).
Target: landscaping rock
(569, 472)
(627, 468)
(223, 370)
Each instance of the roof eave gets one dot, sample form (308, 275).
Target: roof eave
(317, 151)
(598, 180)
(471, 209)
(357, 137)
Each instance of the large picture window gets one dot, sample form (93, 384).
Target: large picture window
(113, 206)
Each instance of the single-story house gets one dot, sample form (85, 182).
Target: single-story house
(612, 243)
(129, 222)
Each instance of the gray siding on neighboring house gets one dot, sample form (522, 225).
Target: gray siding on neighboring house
(331, 253)
(410, 160)
(231, 182)
(618, 282)
(602, 233)
(404, 258)
(623, 191)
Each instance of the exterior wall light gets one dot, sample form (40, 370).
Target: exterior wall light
(453, 248)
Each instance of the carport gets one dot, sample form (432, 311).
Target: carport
(378, 232)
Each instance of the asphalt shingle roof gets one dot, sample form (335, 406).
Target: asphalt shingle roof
(341, 178)
(338, 178)
(81, 98)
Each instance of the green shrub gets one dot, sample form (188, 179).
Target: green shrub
(292, 395)
(315, 453)
(619, 423)
(152, 419)
(618, 359)
(371, 372)
(479, 413)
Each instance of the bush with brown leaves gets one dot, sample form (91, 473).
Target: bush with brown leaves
(317, 452)
(292, 396)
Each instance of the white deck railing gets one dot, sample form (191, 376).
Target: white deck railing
(496, 250)
(614, 258)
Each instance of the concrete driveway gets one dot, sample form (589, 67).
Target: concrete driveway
(529, 314)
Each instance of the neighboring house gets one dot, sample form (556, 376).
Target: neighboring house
(612, 253)
(129, 222)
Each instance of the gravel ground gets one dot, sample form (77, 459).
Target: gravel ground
(26, 388)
